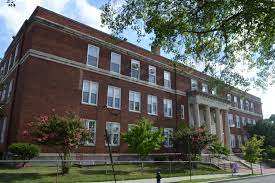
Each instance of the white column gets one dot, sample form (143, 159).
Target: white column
(227, 131)
(197, 115)
(191, 119)
(208, 118)
(218, 125)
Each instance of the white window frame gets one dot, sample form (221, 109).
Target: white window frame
(112, 134)
(150, 102)
(167, 81)
(194, 85)
(252, 109)
(168, 131)
(241, 104)
(167, 102)
(2, 135)
(91, 83)
(138, 63)
(10, 88)
(138, 95)
(235, 99)
(97, 55)
(231, 120)
(152, 75)
(113, 105)
(204, 88)
(113, 56)
(247, 105)
(243, 121)
(92, 131)
(238, 122)
(182, 112)
(229, 97)
(214, 91)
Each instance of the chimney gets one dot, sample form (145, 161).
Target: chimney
(155, 49)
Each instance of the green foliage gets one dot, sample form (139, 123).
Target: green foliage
(62, 133)
(218, 150)
(24, 151)
(193, 139)
(270, 152)
(215, 33)
(142, 139)
(252, 149)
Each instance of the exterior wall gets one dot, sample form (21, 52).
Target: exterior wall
(41, 85)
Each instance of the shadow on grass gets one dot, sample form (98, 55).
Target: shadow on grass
(96, 172)
(14, 177)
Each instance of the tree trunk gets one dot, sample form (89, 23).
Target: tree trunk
(65, 164)
(251, 164)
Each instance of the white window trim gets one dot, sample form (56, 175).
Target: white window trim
(152, 67)
(167, 105)
(134, 92)
(138, 63)
(90, 45)
(197, 85)
(87, 121)
(110, 107)
(152, 105)
(90, 89)
(170, 79)
(111, 144)
(113, 53)
(182, 115)
(204, 85)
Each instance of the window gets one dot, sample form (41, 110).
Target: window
(168, 137)
(115, 62)
(130, 126)
(214, 91)
(235, 101)
(243, 120)
(91, 126)
(204, 87)
(6, 67)
(253, 121)
(134, 101)
(10, 89)
(233, 141)
(152, 74)
(135, 69)
(229, 97)
(167, 108)
(152, 103)
(93, 55)
(3, 96)
(230, 120)
(239, 140)
(194, 84)
(10, 63)
(89, 92)
(16, 53)
(252, 107)
(241, 104)
(114, 95)
(249, 121)
(238, 122)
(113, 130)
(247, 105)
(167, 79)
(181, 111)
(3, 122)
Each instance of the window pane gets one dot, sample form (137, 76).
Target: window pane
(110, 101)
(93, 98)
(117, 103)
(115, 67)
(93, 53)
(92, 60)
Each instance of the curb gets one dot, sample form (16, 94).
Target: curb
(242, 178)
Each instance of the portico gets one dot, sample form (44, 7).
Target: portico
(212, 112)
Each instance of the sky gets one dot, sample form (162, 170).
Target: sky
(87, 12)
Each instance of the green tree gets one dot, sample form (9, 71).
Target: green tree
(252, 150)
(219, 34)
(62, 133)
(218, 150)
(142, 138)
(192, 139)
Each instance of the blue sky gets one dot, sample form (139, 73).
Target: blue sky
(87, 12)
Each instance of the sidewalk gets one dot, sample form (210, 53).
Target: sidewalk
(176, 179)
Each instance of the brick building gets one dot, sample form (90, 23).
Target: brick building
(57, 63)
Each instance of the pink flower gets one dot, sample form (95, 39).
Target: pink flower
(39, 139)
(25, 132)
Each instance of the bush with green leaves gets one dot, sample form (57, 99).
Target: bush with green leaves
(218, 150)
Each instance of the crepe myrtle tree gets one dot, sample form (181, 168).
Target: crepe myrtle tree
(220, 36)
(63, 133)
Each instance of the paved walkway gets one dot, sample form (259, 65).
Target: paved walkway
(177, 179)
(264, 179)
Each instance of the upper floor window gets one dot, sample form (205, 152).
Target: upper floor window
(194, 84)
(3, 123)
(214, 91)
(93, 55)
(10, 88)
(252, 107)
(230, 120)
(204, 87)
(247, 105)
(114, 96)
(10, 62)
(229, 97)
(152, 74)
(3, 96)
(235, 101)
(134, 101)
(167, 106)
(241, 104)
(113, 130)
(135, 69)
(243, 121)
(89, 92)
(254, 122)
(249, 121)
(168, 137)
(238, 122)
(115, 62)
(167, 79)
(16, 53)
(181, 111)
(152, 103)
(91, 126)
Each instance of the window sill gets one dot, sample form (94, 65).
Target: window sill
(89, 145)
(151, 114)
(134, 111)
(113, 108)
(88, 104)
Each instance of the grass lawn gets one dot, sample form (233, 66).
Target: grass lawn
(98, 173)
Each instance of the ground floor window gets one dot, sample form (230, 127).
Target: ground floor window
(233, 141)
(168, 137)
(91, 126)
(113, 129)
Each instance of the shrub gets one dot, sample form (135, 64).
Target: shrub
(270, 152)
